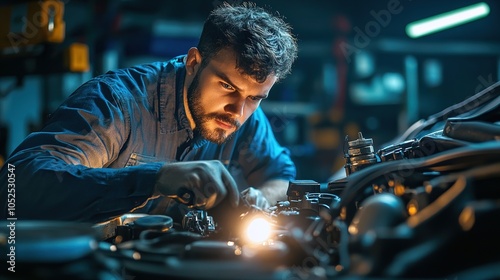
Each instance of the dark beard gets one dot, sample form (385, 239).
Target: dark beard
(218, 135)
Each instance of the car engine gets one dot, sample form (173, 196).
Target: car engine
(423, 206)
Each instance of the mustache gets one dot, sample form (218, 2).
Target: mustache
(224, 118)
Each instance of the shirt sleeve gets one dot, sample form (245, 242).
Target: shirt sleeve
(260, 156)
(60, 171)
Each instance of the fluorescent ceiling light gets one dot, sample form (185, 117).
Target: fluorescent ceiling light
(447, 20)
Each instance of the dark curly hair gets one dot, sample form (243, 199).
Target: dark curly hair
(263, 42)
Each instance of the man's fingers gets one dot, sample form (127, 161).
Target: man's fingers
(202, 184)
(232, 189)
(185, 196)
(255, 197)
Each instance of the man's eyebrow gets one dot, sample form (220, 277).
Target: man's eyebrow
(224, 77)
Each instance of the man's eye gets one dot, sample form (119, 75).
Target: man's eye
(226, 86)
(255, 98)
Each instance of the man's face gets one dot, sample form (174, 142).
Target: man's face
(221, 98)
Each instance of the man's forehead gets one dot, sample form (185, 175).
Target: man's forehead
(229, 58)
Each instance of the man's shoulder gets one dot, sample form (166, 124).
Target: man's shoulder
(258, 117)
(140, 81)
(147, 69)
(255, 124)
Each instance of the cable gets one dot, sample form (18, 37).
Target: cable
(453, 160)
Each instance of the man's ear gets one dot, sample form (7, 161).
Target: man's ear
(193, 61)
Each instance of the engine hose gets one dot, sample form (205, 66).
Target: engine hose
(458, 159)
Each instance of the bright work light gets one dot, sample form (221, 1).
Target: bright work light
(447, 20)
(258, 230)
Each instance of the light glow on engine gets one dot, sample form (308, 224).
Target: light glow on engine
(258, 230)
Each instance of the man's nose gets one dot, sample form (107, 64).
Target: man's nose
(236, 106)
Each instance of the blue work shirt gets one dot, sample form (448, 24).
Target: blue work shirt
(99, 154)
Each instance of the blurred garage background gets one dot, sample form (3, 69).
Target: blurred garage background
(360, 67)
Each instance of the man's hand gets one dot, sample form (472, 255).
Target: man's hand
(274, 190)
(200, 184)
(255, 197)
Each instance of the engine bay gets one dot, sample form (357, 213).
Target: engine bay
(424, 206)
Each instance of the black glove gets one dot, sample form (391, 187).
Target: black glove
(255, 197)
(199, 184)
